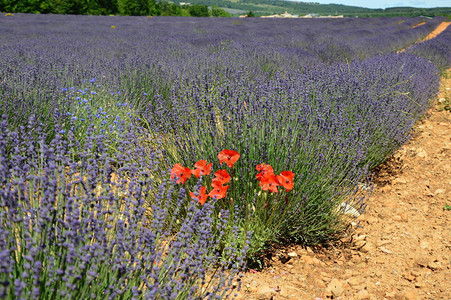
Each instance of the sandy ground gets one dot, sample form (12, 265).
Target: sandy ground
(440, 28)
(403, 250)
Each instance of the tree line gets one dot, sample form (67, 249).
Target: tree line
(266, 7)
(110, 7)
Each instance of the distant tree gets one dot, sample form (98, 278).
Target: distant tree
(197, 10)
(219, 12)
(92, 7)
(133, 7)
(250, 14)
(108, 7)
(169, 9)
(26, 6)
(152, 8)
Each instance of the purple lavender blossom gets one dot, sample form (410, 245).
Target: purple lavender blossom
(82, 229)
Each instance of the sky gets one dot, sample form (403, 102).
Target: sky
(387, 3)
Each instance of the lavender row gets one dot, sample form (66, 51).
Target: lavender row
(437, 50)
(330, 126)
(41, 55)
(77, 222)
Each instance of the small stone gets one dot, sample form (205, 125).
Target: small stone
(390, 295)
(360, 244)
(385, 250)
(441, 100)
(419, 285)
(284, 292)
(292, 254)
(320, 284)
(372, 220)
(386, 189)
(424, 245)
(383, 242)
(397, 218)
(354, 281)
(407, 295)
(360, 237)
(265, 293)
(422, 262)
(399, 180)
(335, 287)
(439, 191)
(363, 295)
(404, 216)
(368, 248)
(325, 276)
(433, 266)
(422, 154)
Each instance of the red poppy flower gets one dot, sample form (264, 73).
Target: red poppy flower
(201, 168)
(230, 157)
(202, 197)
(269, 182)
(286, 180)
(219, 191)
(180, 173)
(264, 169)
(222, 177)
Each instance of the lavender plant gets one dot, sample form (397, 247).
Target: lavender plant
(437, 50)
(80, 229)
(329, 126)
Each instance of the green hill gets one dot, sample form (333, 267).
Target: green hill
(267, 7)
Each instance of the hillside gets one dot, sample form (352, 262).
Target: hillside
(265, 7)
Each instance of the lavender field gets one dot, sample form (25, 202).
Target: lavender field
(155, 158)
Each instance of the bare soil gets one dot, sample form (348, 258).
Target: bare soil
(417, 25)
(440, 28)
(402, 250)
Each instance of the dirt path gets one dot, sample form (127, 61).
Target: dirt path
(417, 25)
(440, 28)
(403, 250)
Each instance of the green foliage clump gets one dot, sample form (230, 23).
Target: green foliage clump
(111, 7)
(219, 12)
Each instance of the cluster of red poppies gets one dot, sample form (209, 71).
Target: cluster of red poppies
(267, 179)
